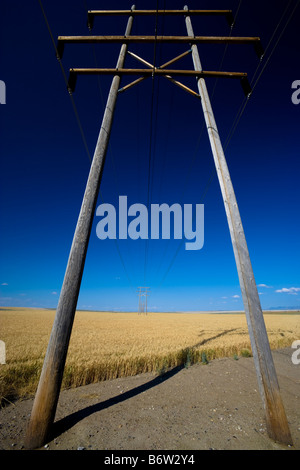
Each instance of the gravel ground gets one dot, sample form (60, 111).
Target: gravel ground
(213, 406)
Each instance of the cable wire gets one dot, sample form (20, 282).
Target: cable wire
(239, 115)
(246, 100)
(276, 44)
(78, 120)
(66, 83)
(150, 159)
(212, 174)
(103, 106)
(115, 173)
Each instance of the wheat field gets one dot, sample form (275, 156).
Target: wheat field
(106, 345)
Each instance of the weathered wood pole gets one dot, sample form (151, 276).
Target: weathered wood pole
(44, 407)
(277, 424)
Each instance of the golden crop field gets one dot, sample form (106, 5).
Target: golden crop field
(107, 345)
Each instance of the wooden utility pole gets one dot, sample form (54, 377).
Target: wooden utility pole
(45, 403)
(47, 395)
(277, 423)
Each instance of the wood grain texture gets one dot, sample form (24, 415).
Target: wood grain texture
(45, 403)
(267, 379)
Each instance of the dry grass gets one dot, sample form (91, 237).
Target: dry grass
(107, 345)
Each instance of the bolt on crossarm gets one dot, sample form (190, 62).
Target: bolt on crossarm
(277, 424)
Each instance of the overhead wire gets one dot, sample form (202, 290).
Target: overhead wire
(226, 45)
(157, 105)
(111, 153)
(150, 159)
(155, 125)
(66, 83)
(163, 155)
(138, 165)
(103, 104)
(111, 156)
(74, 107)
(240, 113)
(274, 33)
(138, 138)
(212, 95)
(188, 174)
(150, 162)
(253, 86)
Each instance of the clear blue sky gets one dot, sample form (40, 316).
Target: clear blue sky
(44, 162)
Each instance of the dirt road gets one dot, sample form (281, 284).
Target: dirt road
(213, 406)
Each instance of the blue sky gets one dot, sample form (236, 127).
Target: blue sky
(45, 164)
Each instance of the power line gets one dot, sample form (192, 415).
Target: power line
(238, 116)
(115, 173)
(154, 150)
(245, 101)
(212, 95)
(212, 174)
(183, 241)
(226, 45)
(66, 83)
(103, 105)
(79, 122)
(272, 37)
(150, 159)
(276, 44)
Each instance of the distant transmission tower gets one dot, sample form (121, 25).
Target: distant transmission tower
(143, 293)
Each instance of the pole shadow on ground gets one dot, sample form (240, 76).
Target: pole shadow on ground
(64, 424)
